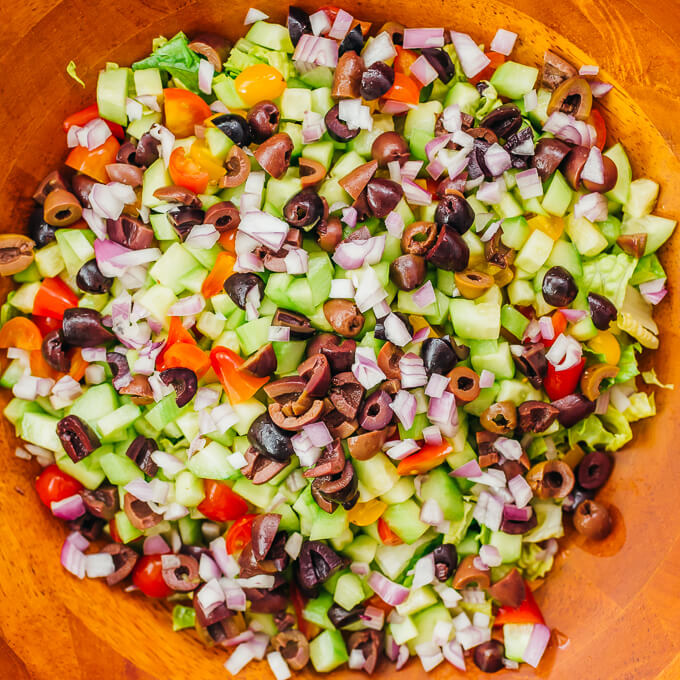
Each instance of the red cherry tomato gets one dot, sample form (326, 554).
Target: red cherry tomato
(558, 384)
(186, 172)
(183, 109)
(54, 485)
(53, 298)
(221, 504)
(84, 116)
(597, 121)
(527, 612)
(239, 533)
(405, 90)
(148, 576)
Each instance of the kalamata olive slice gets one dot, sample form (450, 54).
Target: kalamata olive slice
(88, 525)
(274, 154)
(407, 272)
(82, 327)
(548, 155)
(573, 409)
(382, 196)
(214, 47)
(376, 414)
(91, 280)
(300, 326)
(178, 194)
(183, 381)
(182, 575)
(346, 393)
(449, 251)
(304, 209)
(124, 560)
(352, 42)
(16, 253)
(555, 70)
(297, 23)
(536, 416)
(489, 656)
(633, 244)
(342, 617)
(52, 181)
(262, 363)
(468, 574)
(503, 121)
(419, 237)
(331, 462)
(140, 513)
(559, 288)
(338, 129)
(147, 150)
(138, 389)
(55, 351)
(316, 564)
(533, 364)
(340, 354)
(576, 497)
(130, 232)
(376, 80)
(317, 373)
(594, 470)
(235, 127)
(41, 232)
(102, 502)
(369, 643)
(388, 361)
(438, 356)
(440, 62)
(125, 157)
(269, 439)
(310, 412)
(329, 234)
(574, 97)
(355, 181)
(223, 215)
(237, 165)
(140, 451)
(496, 252)
(499, 418)
(311, 172)
(264, 120)
(509, 591)
(515, 527)
(184, 218)
(77, 437)
(263, 531)
(602, 311)
(238, 285)
(344, 317)
(341, 488)
(551, 479)
(445, 561)
(592, 520)
(573, 165)
(388, 147)
(259, 469)
(366, 445)
(292, 645)
(347, 77)
(204, 618)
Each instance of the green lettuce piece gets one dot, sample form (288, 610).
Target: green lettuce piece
(591, 432)
(183, 617)
(459, 75)
(648, 269)
(641, 406)
(175, 58)
(488, 102)
(628, 367)
(534, 561)
(608, 275)
(651, 378)
(71, 70)
(457, 530)
(549, 516)
(619, 427)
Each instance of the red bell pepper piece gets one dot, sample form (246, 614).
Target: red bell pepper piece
(87, 114)
(405, 90)
(558, 384)
(221, 504)
(54, 297)
(176, 334)
(559, 323)
(424, 460)
(487, 72)
(527, 612)
(239, 385)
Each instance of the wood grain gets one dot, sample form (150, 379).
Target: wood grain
(619, 614)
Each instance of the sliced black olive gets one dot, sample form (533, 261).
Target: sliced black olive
(235, 127)
(238, 285)
(269, 439)
(316, 564)
(184, 382)
(82, 327)
(77, 437)
(91, 280)
(140, 451)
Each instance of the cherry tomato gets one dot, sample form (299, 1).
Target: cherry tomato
(78, 365)
(558, 384)
(183, 110)
(54, 485)
(239, 533)
(221, 271)
(87, 114)
(597, 121)
(184, 355)
(527, 612)
(221, 504)
(186, 172)
(46, 324)
(377, 601)
(429, 457)
(228, 241)
(404, 90)
(559, 323)
(239, 385)
(93, 163)
(387, 536)
(53, 298)
(113, 531)
(486, 73)
(148, 576)
(201, 154)
(258, 82)
(22, 333)
(40, 368)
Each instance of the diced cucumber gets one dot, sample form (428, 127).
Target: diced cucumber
(404, 520)
(254, 334)
(279, 191)
(260, 495)
(423, 117)
(112, 92)
(513, 321)
(425, 622)
(658, 229)
(514, 80)
(111, 424)
(211, 462)
(272, 36)
(225, 90)
(509, 207)
(120, 469)
(439, 485)
(514, 232)
(486, 397)
(124, 528)
(494, 356)
(377, 474)
(49, 260)
(401, 491)
(585, 236)
(188, 489)
(621, 189)
(294, 102)
(322, 102)
(12, 374)
(509, 546)
(516, 639)
(534, 252)
(479, 321)
(517, 392)
(288, 355)
(349, 591)
(96, 402)
(138, 128)
(155, 177)
(87, 471)
(41, 430)
(564, 254)
(247, 411)
(319, 276)
(403, 631)
(417, 600)
(641, 198)
(328, 525)
(558, 195)
(321, 152)
(465, 95)
(158, 300)
(520, 292)
(23, 297)
(164, 412)
(175, 263)
(361, 549)
(148, 82)
(316, 610)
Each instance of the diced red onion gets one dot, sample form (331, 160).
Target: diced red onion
(234, 596)
(453, 653)
(619, 398)
(167, 140)
(294, 545)
(490, 231)
(602, 403)
(432, 514)
(313, 127)
(421, 334)
(373, 617)
(413, 372)
(296, 261)
(132, 258)
(425, 296)
(205, 397)
(503, 42)
(320, 24)
(417, 38)
(436, 385)
(440, 409)
(240, 657)
(305, 450)
(402, 657)
(423, 71)
(187, 306)
(478, 563)
(257, 581)
(278, 666)
(394, 223)
(488, 511)
(318, 434)
(396, 331)
(532, 333)
(73, 559)
(432, 435)
(279, 334)
(404, 406)
(497, 160)
(441, 633)
(224, 561)
(411, 169)
(254, 15)
(435, 169)
(20, 452)
(380, 48)
(520, 490)
(434, 146)
(515, 514)
(388, 591)
(360, 568)
(490, 555)
(472, 636)
(540, 636)
(593, 170)
(270, 231)
(155, 545)
(206, 71)
(588, 70)
(202, 236)
(369, 292)
(349, 217)
(451, 118)
(225, 417)
(105, 203)
(394, 169)
(99, 565)
(68, 508)
(471, 58)
(94, 353)
(486, 378)
(529, 184)
(401, 449)
(491, 192)
(341, 25)
(654, 291)
(430, 656)
(414, 193)
(564, 353)
(448, 595)
(599, 88)
(248, 262)
(547, 329)
(354, 254)
(356, 660)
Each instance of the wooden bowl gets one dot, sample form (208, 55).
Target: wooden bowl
(617, 613)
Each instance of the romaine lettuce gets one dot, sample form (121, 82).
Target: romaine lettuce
(175, 58)
(608, 275)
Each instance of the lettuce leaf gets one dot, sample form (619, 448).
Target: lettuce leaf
(608, 275)
(648, 269)
(71, 70)
(619, 427)
(641, 406)
(591, 432)
(457, 530)
(628, 367)
(534, 561)
(175, 58)
(650, 378)
(549, 516)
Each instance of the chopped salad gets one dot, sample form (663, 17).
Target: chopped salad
(323, 336)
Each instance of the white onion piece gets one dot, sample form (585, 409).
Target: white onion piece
(472, 59)
(254, 15)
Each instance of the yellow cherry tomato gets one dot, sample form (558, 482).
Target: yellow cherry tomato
(201, 154)
(605, 343)
(259, 82)
(363, 514)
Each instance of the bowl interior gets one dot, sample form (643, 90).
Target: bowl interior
(612, 604)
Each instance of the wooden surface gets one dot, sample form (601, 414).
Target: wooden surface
(619, 615)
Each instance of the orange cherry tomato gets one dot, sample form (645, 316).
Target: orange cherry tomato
(54, 485)
(54, 297)
(40, 368)
(405, 90)
(377, 601)
(186, 172)
(486, 73)
(185, 355)
(387, 536)
(93, 163)
(228, 241)
(201, 154)
(258, 82)
(183, 110)
(404, 60)
(239, 533)
(239, 385)
(222, 270)
(78, 365)
(597, 121)
(429, 457)
(221, 504)
(148, 576)
(87, 114)
(22, 333)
